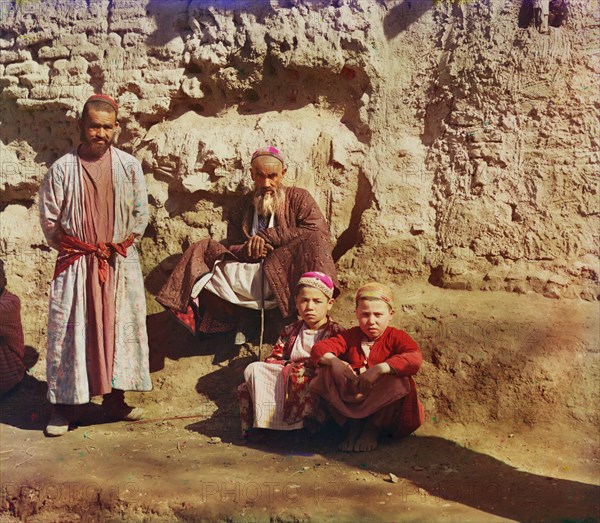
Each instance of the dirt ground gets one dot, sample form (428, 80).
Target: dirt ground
(510, 385)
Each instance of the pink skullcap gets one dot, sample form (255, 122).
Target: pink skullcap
(104, 98)
(268, 151)
(319, 281)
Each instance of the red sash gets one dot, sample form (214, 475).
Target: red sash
(71, 249)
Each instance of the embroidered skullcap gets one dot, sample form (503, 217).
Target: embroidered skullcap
(104, 98)
(268, 151)
(319, 281)
(375, 291)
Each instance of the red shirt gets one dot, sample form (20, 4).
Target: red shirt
(394, 346)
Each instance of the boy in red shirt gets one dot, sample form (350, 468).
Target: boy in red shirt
(365, 373)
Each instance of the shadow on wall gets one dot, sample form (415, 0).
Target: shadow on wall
(262, 82)
(173, 18)
(167, 339)
(220, 387)
(403, 15)
(171, 21)
(350, 237)
(25, 405)
(158, 275)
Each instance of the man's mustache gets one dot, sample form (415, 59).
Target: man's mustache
(267, 202)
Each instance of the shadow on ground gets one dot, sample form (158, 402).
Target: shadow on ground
(169, 339)
(434, 466)
(454, 473)
(220, 387)
(430, 469)
(26, 407)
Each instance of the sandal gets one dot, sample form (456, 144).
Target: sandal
(57, 426)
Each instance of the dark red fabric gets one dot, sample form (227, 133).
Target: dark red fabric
(187, 318)
(12, 344)
(71, 249)
(301, 240)
(104, 98)
(98, 228)
(401, 352)
(299, 403)
(394, 346)
(408, 416)
(196, 261)
(401, 417)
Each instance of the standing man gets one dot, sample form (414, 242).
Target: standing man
(93, 210)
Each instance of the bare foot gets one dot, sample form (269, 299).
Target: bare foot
(355, 431)
(368, 438)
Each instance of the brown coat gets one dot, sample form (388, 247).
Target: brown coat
(301, 239)
(12, 345)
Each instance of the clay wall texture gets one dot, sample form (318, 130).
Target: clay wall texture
(442, 141)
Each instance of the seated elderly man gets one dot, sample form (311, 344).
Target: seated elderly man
(275, 234)
(12, 346)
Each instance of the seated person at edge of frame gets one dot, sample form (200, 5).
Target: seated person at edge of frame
(275, 233)
(275, 394)
(12, 344)
(365, 373)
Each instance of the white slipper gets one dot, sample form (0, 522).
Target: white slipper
(57, 426)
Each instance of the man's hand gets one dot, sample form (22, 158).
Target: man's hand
(367, 379)
(256, 247)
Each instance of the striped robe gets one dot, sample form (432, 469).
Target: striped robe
(283, 399)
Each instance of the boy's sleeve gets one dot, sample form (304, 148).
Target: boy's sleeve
(337, 345)
(407, 357)
(278, 351)
(276, 355)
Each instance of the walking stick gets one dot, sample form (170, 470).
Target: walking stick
(262, 308)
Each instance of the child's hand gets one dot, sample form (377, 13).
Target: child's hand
(367, 379)
(342, 371)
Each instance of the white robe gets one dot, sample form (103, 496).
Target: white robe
(239, 282)
(61, 206)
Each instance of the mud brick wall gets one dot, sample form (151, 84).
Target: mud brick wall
(442, 140)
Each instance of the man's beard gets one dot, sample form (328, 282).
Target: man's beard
(94, 147)
(268, 203)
